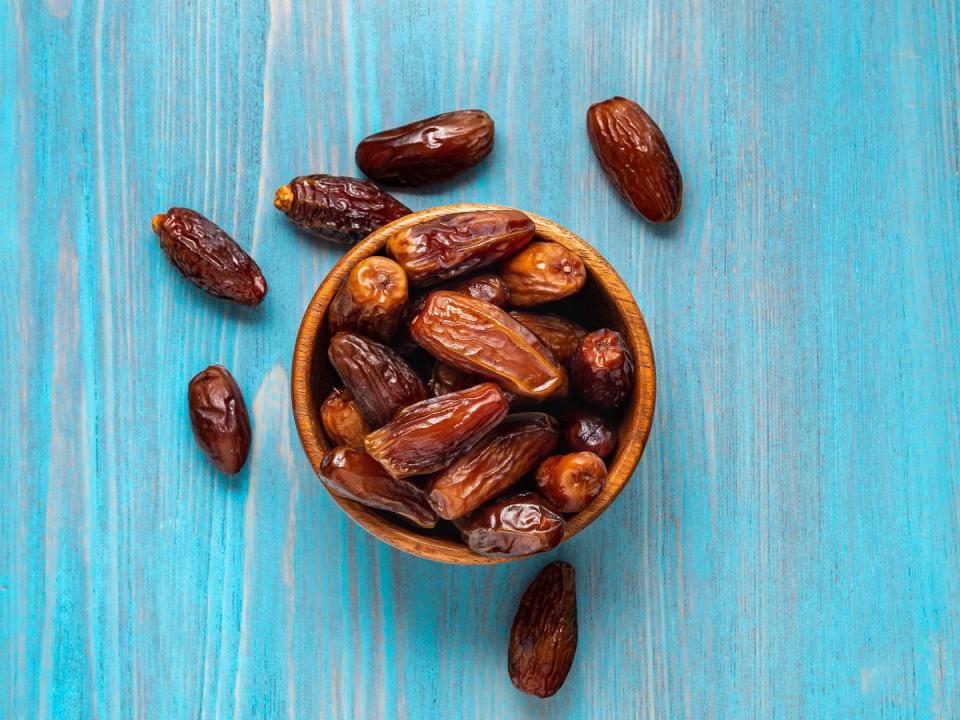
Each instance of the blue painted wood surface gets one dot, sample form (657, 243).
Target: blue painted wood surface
(789, 546)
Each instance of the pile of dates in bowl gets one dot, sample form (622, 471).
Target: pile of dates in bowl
(474, 376)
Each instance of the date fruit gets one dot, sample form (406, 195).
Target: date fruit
(371, 300)
(636, 158)
(357, 476)
(496, 463)
(452, 245)
(543, 639)
(559, 334)
(447, 379)
(571, 481)
(602, 368)
(427, 151)
(543, 272)
(588, 432)
(335, 208)
(218, 416)
(481, 339)
(431, 434)
(382, 382)
(484, 286)
(514, 526)
(208, 257)
(343, 420)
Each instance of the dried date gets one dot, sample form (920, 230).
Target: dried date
(343, 420)
(543, 272)
(560, 335)
(602, 368)
(589, 432)
(218, 416)
(371, 300)
(571, 481)
(208, 257)
(483, 286)
(515, 526)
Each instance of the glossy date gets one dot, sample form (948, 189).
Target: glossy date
(560, 335)
(543, 272)
(587, 431)
(218, 416)
(371, 300)
(342, 419)
(514, 526)
(602, 368)
(571, 481)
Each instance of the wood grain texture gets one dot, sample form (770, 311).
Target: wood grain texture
(789, 546)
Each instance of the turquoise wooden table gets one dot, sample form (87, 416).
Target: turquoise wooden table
(789, 545)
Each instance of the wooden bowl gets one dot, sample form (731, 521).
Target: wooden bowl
(604, 302)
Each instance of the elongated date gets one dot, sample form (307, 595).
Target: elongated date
(371, 300)
(208, 257)
(336, 208)
(514, 526)
(543, 272)
(481, 339)
(543, 639)
(343, 420)
(218, 416)
(382, 382)
(602, 368)
(355, 475)
(571, 481)
(452, 245)
(431, 434)
(495, 464)
(427, 151)
(560, 335)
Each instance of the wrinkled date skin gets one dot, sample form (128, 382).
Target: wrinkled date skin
(335, 208)
(208, 257)
(515, 526)
(430, 435)
(543, 639)
(636, 158)
(343, 420)
(571, 481)
(481, 339)
(602, 369)
(543, 272)
(219, 418)
(483, 286)
(559, 334)
(357, 476)
(447, 379)
(588, 432)
(452, 245)
(371, 300)
(496, 463)
(427, 151)
(382, 382)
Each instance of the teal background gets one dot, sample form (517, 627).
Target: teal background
(789, 545)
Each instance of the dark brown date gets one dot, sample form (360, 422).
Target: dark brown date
(447, 379)
(543, 272)
(452, 245)
(431, 434)
(427, 151)
(218, 416)
(343, 420)
(518, 525)
(484, 286)
(357, 476)
(481, 339)
(559, 334)
(382, 382)
(208, 257)
(543, 639)
(496, 463)
(588, 432)
(571, 481)
(602, 368)
(335, 208)
(636, 158)
(371, 300)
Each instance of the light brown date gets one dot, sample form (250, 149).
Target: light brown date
(355, 475)
(218, 416)
(560, 335)
(336, 208)
(602, 368)
(208, 257)
(343, 420)
(543, 639)
(636, 158)
(427, 151)
(514, 526)
(543, 272)
(452, 245)
(371, 300)
(481, 339)
(589, 432)
(495, 464)
(571, 481)
(431, 434)
(382, 382)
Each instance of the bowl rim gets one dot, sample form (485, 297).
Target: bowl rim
(634, 429)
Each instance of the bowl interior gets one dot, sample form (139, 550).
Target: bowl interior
(603, 302)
